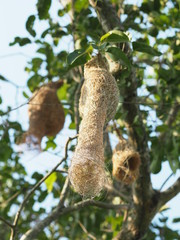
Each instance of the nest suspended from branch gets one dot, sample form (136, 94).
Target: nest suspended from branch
(98, 103)
(126, 162)
(46, 115)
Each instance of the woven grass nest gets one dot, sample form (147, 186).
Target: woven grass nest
(98, 103)
(46, 115)
(126, 162)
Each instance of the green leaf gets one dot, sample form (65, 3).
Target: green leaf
(50, 181)
(62, 92)
(3, 78)
(20, 41)
(155, 166)
(162, 128)
(33, 82)
(79, 57)
(114, 36)
(80, 5)
(142, 47)
(50, 144)
(72, 125)
(25, 95)
(43, 7)
(30, 24)
(176, 220)
(116, 54)
(36, 64)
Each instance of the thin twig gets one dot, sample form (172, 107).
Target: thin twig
(15, 54)
(13, 109)
(61, 171)
(113, 191)
(35, 187)
(4, 204)
(64, 193)
(7, 223)
(76, 104)
(117, 131)
(85, 230)
(166, 181)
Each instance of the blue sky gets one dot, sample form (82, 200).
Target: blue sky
(13, 15)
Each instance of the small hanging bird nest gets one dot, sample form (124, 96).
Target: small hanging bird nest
(126, 163)
(46, 115)
(98, 103)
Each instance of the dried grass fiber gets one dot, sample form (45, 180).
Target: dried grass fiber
(98, 103)
(126, 163)
(46, 114)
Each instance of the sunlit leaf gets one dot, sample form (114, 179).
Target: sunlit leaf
(114, 36)
(80, 5)
(72, 125)
(62, 92)
(50, 181)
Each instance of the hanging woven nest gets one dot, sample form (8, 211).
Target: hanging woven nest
(126, 162)
(46, 115)
(98, 103)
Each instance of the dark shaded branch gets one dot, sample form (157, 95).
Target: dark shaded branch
(106, 14)
(6, 222)
(13, 233)
(58, 212)
(76, 104)
(107, 145)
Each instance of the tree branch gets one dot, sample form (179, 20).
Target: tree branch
(59, 211)
(85, 230)
(64, 193)
(13, 232)
(6, 222)
(76, 104)
(166, 181)
(171, 192)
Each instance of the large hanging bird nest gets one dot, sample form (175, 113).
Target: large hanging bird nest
(46, 114)
(126, 162)
(98, 103)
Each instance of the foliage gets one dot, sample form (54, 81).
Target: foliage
(151, 29)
